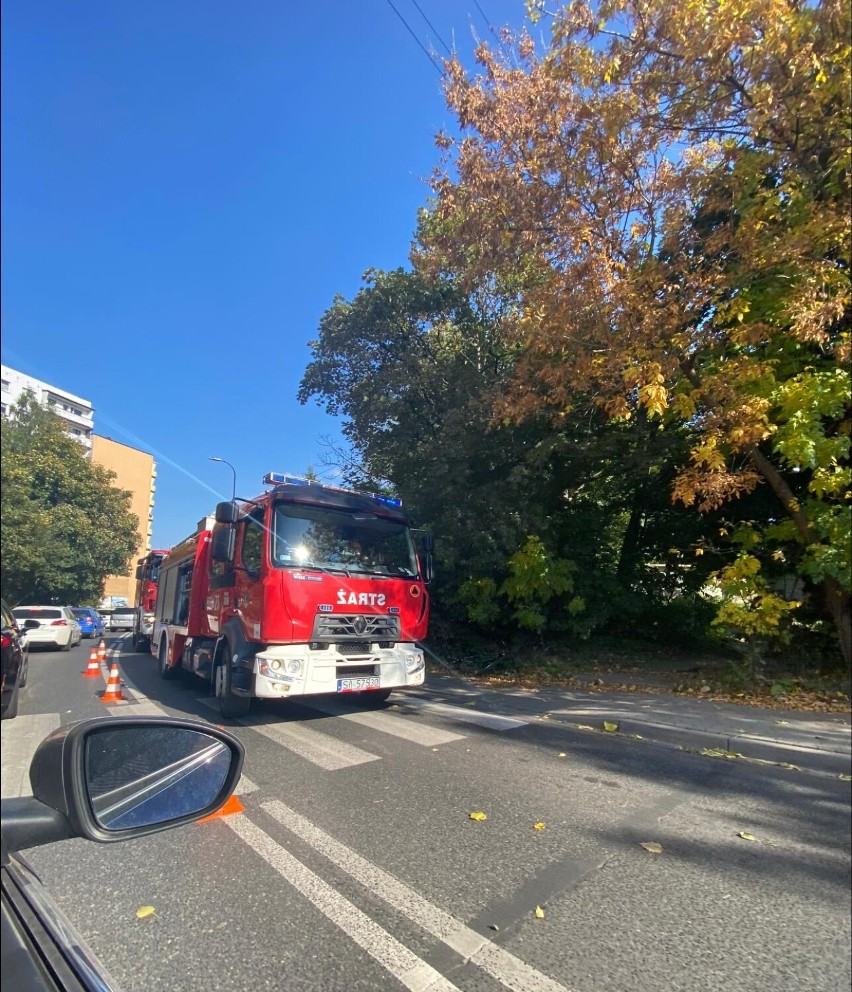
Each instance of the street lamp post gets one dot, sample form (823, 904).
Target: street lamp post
(215, 458)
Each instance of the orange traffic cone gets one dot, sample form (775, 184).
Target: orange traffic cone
(102, 651)
(93, 669)
(112, 693)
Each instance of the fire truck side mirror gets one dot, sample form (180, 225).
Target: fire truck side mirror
(226, 513)
(222, 546)
(138, 573)
(426, 545)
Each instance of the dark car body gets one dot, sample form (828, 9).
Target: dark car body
(15, 659)
(91, 622)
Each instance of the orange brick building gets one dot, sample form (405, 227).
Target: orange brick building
(135, 471)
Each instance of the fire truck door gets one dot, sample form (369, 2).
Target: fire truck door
(249, 587)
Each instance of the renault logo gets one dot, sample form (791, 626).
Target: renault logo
(360, 625)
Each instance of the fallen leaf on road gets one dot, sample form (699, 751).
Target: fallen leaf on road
(434, 749)
(791, 766)
(845, 778)
(144, 911)
(562, 754)
(538, 826)
(539, 913)
(781, 723)
(545, 716)
(652, 846)
(584, 726)
(636, 737)
(493, 926)
(477, 816)
(610, 727)
(746, 835)
(719, 752)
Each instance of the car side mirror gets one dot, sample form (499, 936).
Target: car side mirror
(112, 779)
(30, 624)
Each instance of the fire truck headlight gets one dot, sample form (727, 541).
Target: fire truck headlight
(294, 666)
(413, 661)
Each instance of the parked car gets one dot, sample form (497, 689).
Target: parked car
(57, 625)
(106, 780)
(91, 622)
(15, 660)
(123, 618)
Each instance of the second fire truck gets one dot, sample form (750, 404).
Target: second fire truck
(147, 575)
(305, 589)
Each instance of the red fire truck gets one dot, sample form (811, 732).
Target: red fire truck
(305, 589)
(147, 574)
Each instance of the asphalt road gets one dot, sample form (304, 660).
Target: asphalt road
(355, 864)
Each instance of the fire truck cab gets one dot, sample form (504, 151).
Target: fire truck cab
(147, 575)
(305, 589)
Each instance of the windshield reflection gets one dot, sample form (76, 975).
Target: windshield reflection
(335, 541)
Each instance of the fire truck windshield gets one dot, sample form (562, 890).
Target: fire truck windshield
(335, 540)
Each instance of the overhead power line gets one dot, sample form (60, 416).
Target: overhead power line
(485, 17)
(420, 44)
(432, 28)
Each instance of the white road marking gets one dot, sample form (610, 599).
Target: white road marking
(20, 739)
(408, 969)
(245, 786)
(321, 749)
(490, 720)
(142, 706)
(387, 723)
(492, 959)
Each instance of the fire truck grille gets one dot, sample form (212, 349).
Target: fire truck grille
(354, 647)
(357, 627)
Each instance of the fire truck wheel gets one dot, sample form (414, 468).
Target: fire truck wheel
(163, 666)
(229, 704)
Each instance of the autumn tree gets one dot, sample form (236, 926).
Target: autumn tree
(663, 198)
(554, 527)
(64, 525)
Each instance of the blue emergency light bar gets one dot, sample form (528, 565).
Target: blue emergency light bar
(279, 479)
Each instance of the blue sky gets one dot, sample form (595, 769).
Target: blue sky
(185, 187)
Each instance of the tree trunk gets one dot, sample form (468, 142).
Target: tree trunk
(840, 607)
(837, 599)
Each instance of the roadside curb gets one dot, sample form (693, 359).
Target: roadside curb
(777, 752)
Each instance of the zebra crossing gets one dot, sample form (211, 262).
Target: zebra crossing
(332, 753)
(411, 721)
(418, 722)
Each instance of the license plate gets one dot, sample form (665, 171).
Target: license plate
(358, 684)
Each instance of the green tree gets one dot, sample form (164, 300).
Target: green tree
(65, 527)
(663, 194)
(414, 367)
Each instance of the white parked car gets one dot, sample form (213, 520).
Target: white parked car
(57, 625)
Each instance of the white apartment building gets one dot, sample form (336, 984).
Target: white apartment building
(76, 413)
